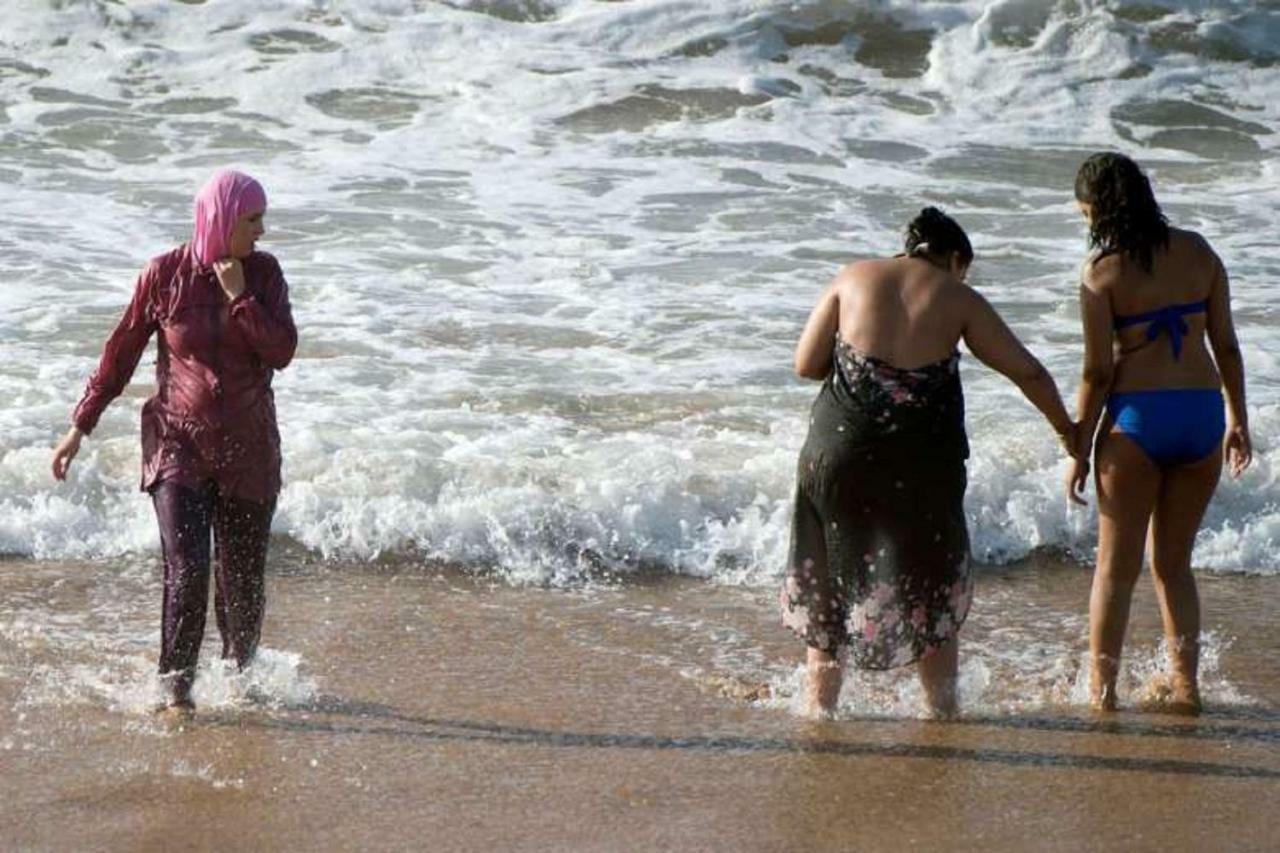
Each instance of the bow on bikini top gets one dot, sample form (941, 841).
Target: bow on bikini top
(1168, 320)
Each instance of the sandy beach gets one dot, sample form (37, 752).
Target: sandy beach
(401, 706)
(548, 261)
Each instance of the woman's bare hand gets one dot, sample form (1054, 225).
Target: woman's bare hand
(1237, 450)
(65, 452)
(230, 273)
(1070, 440)
(1078, 480)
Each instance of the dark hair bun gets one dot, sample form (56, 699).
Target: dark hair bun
(935, 233)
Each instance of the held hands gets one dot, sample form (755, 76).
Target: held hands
(230, 273)
(1070, 439)
(65, 452)
(1237, 449)
(1237, 453)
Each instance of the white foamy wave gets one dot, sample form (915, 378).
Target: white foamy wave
(549, 257)
(714, 505)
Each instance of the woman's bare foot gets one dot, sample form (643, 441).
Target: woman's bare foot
(941, 713)
(1186, 697)
(1185, 707)
(1102, 683)
(941, 701)
(176, 710)
(1172, 694)
(1184, 662)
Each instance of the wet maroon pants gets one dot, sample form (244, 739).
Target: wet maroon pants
(240, 530)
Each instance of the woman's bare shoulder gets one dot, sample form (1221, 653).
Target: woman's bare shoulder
(1193, 243)
(1187, 237)
(863, 272)
(967, 301)
(863, 266)
(1101, 270)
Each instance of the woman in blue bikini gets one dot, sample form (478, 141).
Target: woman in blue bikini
(1150, 296)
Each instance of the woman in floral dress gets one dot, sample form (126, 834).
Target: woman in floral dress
(879, 558)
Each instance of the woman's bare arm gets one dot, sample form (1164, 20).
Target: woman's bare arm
(1099, 358)
(995, 345)
(1226, 352)
(813, 352)
(1096, 376)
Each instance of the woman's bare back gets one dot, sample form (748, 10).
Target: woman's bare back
(903, 310)
(1183, 274)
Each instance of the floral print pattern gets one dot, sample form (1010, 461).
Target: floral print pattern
(879, 546)
(889, 625)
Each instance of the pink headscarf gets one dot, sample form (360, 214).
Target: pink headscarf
(223, 199)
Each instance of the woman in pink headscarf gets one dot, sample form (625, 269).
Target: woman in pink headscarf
(210, 446)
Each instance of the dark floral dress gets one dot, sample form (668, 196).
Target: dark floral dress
(879, 548)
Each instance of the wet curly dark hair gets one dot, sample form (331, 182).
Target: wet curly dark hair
(935, 233)
(1126, 217)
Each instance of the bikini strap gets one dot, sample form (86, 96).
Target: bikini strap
(1168, 320)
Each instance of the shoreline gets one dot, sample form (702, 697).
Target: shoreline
(389, 707)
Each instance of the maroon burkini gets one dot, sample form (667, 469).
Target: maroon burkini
(210, 445)
(213, 414)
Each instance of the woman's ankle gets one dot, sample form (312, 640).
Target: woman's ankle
(825, 676)
(941, 701)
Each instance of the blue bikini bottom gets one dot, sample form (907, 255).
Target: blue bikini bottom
(1173, 426)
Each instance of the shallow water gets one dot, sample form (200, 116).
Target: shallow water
(549, 259)
(398, 702)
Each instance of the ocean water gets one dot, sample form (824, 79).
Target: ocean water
(549, 258)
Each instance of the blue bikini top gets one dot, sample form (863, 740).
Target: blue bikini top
(1167, 319)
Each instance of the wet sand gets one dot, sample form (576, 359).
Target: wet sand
(410, 707)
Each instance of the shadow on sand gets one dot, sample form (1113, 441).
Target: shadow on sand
(344, 717)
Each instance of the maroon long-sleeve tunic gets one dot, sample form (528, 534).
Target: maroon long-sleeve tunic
(213, 416)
